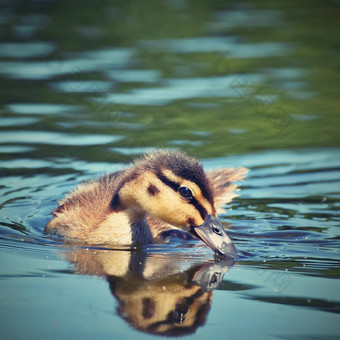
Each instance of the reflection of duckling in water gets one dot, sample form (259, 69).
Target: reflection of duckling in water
(155, 293)
(161, 191)
(171, 306)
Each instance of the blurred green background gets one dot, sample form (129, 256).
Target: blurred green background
(210, 77)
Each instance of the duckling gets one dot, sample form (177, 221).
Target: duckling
(162, 190)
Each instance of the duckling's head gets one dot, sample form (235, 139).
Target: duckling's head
(173, 187)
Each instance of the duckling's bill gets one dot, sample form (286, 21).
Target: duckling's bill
(212, 233)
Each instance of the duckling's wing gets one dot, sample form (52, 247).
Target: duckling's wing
(221, 180)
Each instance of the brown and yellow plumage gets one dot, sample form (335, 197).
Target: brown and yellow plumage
(159, 191)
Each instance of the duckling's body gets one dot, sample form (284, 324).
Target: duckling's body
(86, 215)
(162, 190)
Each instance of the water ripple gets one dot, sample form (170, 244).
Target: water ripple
(26, 49)
(230, 46)
(55, 138)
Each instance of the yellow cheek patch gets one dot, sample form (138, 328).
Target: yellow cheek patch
(157, 195)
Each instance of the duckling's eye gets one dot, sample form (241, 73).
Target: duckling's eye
(185, 192)
(217, 231)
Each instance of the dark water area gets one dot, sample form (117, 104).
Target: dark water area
(86, 86)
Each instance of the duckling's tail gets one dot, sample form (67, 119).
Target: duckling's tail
(224, 190)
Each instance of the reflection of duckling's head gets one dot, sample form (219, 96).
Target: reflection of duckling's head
(162, 307)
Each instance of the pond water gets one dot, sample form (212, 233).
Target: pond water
(85, 88)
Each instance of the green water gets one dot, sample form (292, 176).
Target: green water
(87, 85)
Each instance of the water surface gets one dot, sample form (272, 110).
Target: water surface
(86, 88)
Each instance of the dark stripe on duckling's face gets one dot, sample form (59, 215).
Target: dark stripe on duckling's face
(153, 190)
(149, 308)
(191, 176)
(175, 186)
(203, 212)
